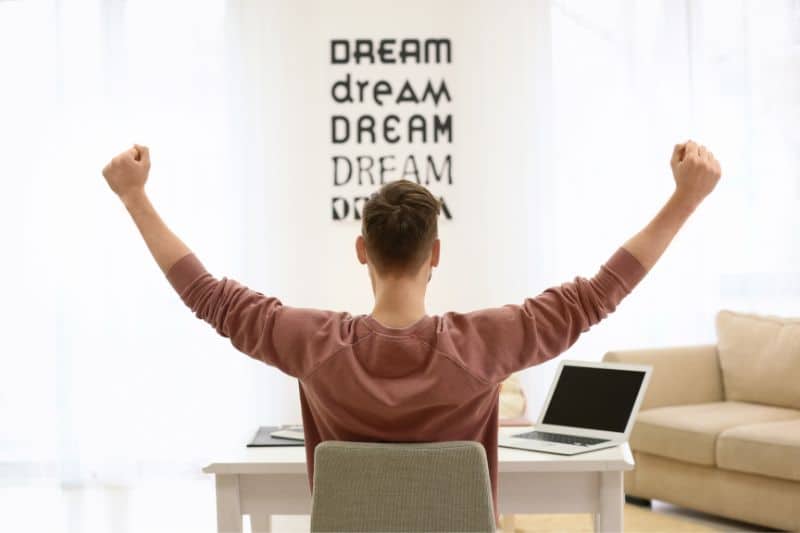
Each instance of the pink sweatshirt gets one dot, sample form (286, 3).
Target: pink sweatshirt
(435, 380)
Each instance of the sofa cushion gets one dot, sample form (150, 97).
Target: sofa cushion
(760, 358)
(689, 432)
(770, 449)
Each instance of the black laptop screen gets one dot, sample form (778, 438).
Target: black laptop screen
(594, 398)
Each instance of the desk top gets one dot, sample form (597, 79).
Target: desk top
(292, 460)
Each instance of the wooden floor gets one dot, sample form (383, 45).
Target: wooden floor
(187, 506)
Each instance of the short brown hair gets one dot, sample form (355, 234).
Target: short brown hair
(399, 226)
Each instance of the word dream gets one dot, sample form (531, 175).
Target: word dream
(361, 139)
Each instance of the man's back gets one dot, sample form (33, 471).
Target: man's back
(435, 380)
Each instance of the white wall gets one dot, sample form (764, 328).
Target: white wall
(486, 257)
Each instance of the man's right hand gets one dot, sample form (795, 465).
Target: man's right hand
(696, 172)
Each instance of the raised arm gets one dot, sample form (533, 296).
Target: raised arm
(257, 325)
(696, 173)
(519, 336)
(126, 174)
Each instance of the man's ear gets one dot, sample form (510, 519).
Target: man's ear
(361, 250)
(435, 253)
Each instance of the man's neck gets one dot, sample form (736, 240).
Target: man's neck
(399, 303)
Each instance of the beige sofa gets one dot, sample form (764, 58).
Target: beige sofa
(719, 428)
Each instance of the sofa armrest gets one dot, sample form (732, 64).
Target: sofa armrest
(681, 375)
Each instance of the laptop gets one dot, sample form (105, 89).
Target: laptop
(590, 406)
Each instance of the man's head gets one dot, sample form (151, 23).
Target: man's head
(399, 236)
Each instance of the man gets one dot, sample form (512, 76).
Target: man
(399, 374)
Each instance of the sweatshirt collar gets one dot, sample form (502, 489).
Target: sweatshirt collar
(406, 330)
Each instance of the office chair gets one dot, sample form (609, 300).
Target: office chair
(380, 487)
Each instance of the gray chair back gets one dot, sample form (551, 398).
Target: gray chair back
(381, 487)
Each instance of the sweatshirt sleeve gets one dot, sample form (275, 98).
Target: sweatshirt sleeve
(497, 342)
(257, 325)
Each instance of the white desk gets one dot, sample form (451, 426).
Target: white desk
(262, 482)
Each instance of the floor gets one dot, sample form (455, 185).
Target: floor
(168, 506)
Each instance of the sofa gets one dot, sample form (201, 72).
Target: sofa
(719, 428)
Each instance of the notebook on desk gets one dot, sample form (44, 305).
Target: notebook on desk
(263, 437)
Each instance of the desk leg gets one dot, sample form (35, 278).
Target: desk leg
(261, 523)
(610, 503)
(229, 514)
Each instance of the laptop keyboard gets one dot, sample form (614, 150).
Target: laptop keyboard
(560, 438)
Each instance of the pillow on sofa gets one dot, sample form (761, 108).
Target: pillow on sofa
(512, 403)
(760, 358)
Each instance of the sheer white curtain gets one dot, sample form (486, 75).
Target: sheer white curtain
(628, 79)
(103, 377)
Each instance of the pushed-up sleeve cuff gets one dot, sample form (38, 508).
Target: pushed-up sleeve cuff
(626, 268)
(185, 271)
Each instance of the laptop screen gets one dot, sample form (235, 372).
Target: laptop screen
(594, 398)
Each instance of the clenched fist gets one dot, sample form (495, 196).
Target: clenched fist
(696, 172)
(127, 172)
